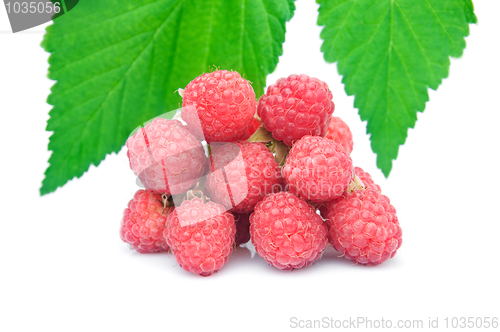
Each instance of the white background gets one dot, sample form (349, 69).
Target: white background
(64, 268)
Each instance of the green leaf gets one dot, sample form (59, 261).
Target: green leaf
(118, 63)
(390, 52)
(469, 12)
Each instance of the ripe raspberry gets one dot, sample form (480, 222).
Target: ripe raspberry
(366, 178)
(144, 221)
(339, 132)
(287, 232)
(242, 222)
(201, 236)
(166, 157)
(317, 169)
(364, 227)
(296, 106)
(242, 174)
(219, 106)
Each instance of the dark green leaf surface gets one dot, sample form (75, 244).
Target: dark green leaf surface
(469, 12)
(390, 52)
(118, 63)
(65, 6)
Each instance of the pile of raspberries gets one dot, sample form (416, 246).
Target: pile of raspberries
(276, 171)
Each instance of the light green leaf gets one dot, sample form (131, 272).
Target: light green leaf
(390, 52)
(118, 63)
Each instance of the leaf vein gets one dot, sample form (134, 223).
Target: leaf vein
(368, 43)
(343, 23)
(77, 61)
(440, 21)
(417, 40)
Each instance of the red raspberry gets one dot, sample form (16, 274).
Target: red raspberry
(366, 178)
(201, 236)
(144, 221)
(219, 106)
(287, 232)
(317, 169)
(296, 106)
(339, 132)
(364, 227)
(242, 221)
(166, 157)
(242, 174)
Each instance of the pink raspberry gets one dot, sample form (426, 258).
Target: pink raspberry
(296, 106)
(364, 227)
(242, 174)
(317, 169)
(287, 232)
(166, 157)
(219, 106)
(366, 178)
(144, 221)
(201, 236)
(242, 221)
(339, 132)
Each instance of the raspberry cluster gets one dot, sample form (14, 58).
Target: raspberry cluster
(276, 172)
